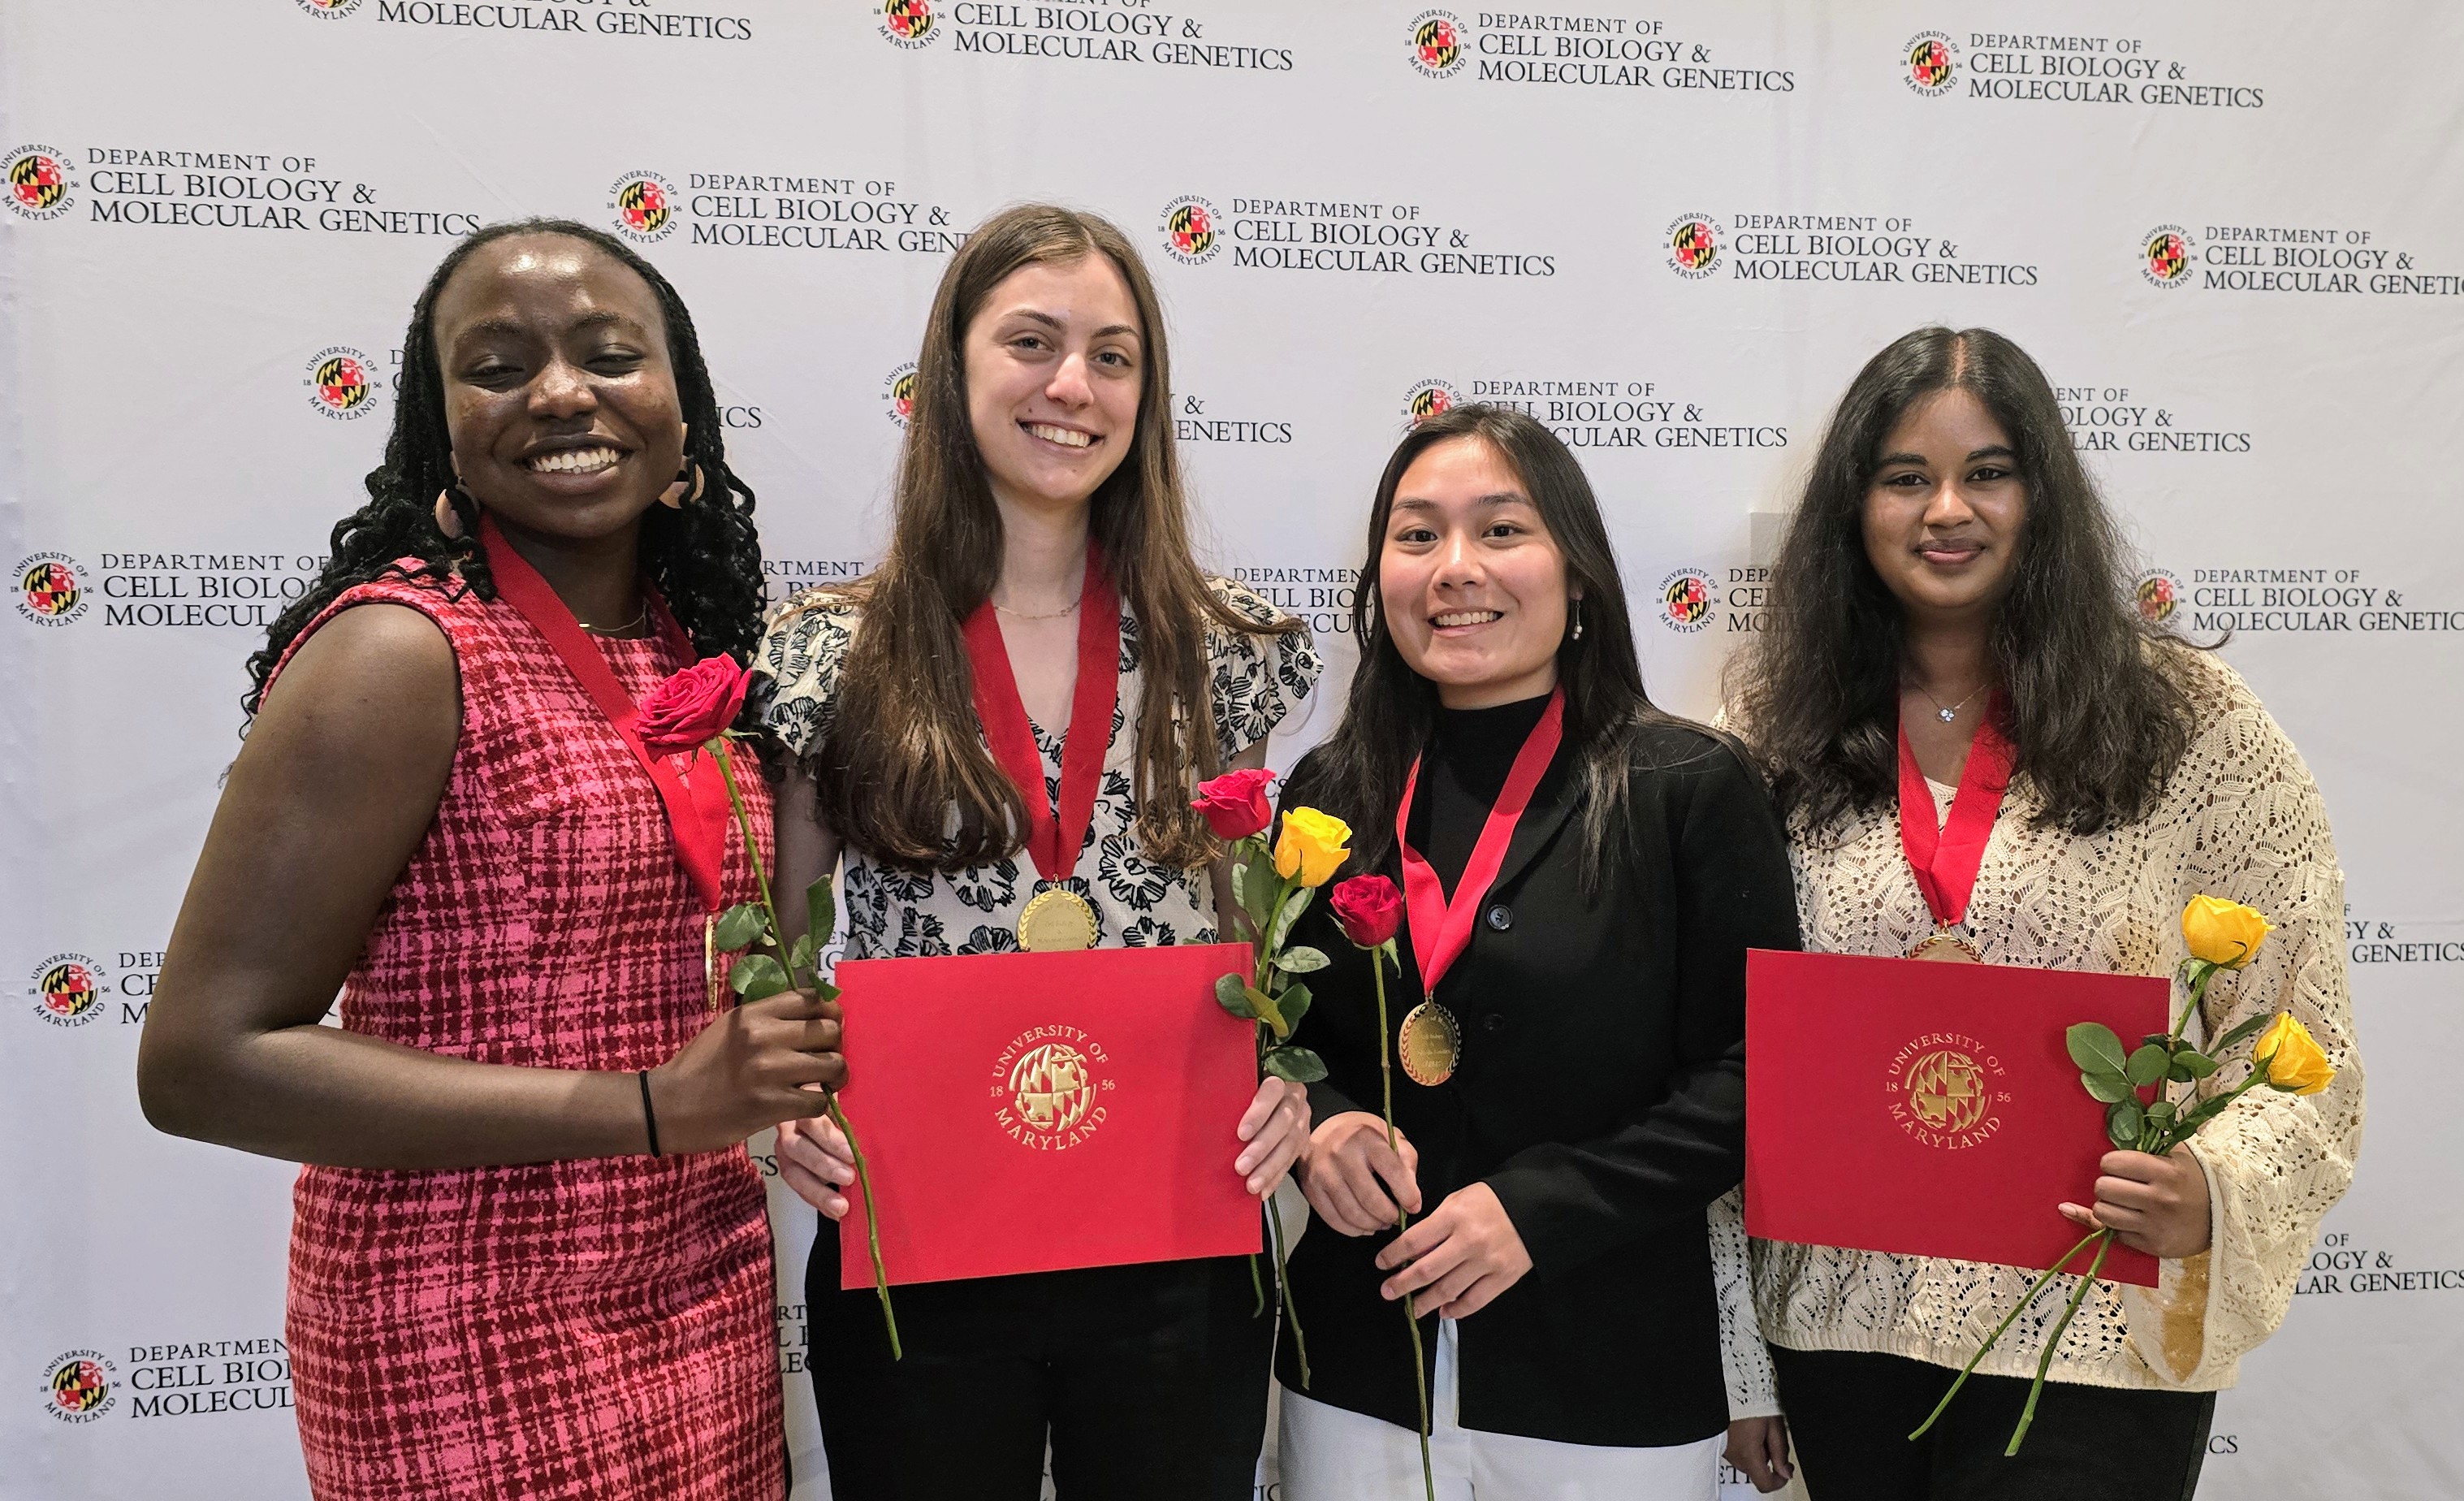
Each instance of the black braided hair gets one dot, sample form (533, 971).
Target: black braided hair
(705, 557)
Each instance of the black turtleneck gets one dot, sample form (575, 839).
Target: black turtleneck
(1470, 753)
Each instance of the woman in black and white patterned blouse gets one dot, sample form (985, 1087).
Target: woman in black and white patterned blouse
(1038, 499)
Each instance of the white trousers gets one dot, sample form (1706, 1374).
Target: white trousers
(1331, 1454)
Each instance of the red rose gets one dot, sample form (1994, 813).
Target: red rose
(1235, 803)
(1369, 908)
(691, 707)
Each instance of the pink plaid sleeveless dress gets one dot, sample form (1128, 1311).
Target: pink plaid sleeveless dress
(577, 1329)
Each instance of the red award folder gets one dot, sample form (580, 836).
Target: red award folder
(1032, 1111)
(1930, 1109)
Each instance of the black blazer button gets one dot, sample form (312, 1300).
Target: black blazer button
(1500, 917)
(1494, 1021)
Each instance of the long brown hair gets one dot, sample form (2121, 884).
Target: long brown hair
(1388, 719)
(2097, 711)
(905, 747)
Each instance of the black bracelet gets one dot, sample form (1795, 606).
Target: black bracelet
(650, 1116)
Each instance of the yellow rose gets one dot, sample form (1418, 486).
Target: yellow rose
(1313, 843)
(2292, 1057)
(2224, 933)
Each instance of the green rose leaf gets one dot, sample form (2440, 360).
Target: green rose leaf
(1299, 1065)
(800, 957)
(2160, 1112)
(825, 990)
(2095, 1049)
(2111, 1088)
(1300, 960)
(1232, 994)
(742, 926)
(1293, 906)
(2122, 1122)
(2192, 1064)
(1288, 915)
(758, 974)
(1293, 1004)
(821, 909)
(1258, 899)
(2224, 1044)
(1263, 1007)
(2148, 1064)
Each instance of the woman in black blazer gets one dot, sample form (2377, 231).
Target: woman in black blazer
(1558, 1176)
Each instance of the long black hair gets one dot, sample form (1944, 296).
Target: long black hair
(1388, 718)
(704, 558)
(2098, 719)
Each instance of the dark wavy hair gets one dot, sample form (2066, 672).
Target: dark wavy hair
(2094, 709)
(704, 558)
(1389, 716)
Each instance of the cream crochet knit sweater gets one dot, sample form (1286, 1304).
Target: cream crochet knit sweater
(2241, 819)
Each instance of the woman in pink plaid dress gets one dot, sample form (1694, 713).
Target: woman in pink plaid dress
(530, 1257)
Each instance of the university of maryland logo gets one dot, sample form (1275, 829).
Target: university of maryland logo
(1190, 233)
(36, 182)
(1429, 398)
(76, 1386)
(645, 206)
(898, 393)
(1686, 601)
(910, 23)
(39, 180)
(329, 9)
(2164, 255)
(1944, 1090)
(2160, 594)
(341, 383)
(1931, 63)
(66, 990)
(1693, 245)
(1048, 1086)
(1438, 43)
(51, 590)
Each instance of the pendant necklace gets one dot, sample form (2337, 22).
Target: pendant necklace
(1946, 715)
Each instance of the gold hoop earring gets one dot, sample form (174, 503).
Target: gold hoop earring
(675, 497)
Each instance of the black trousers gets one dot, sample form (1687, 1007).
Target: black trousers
(1149, 1381)
(1851, 1414)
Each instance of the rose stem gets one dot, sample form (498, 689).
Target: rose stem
(838, 1116)
(2045, 1361)
(2050, 1272)
(1402, 1219)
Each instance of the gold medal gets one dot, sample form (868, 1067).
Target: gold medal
(1056, 921)
(1429, 1045)
(1945, 947)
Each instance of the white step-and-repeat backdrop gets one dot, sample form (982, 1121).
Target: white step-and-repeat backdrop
(2231, 232)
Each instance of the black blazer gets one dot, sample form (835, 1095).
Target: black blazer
(1600, 1095)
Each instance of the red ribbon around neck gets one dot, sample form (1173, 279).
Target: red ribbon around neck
(697, 807)
(1441, 928)
(1054, 834)
(1945, 858)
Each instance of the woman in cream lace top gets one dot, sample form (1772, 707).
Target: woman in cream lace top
(1950, 564)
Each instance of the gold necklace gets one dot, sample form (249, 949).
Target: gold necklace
(617, 631)
(1015, 614)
